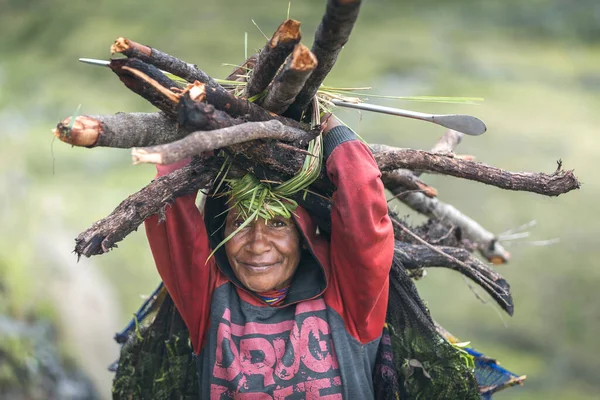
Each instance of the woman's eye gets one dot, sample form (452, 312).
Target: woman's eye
(238, 222)
(277, 223)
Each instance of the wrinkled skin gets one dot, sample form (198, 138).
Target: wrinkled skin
(264, 255)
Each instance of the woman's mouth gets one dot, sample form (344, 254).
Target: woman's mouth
(259, 267)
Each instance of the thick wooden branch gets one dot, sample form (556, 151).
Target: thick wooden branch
(122, 130)
(332, 34)
(127, 130)
(238, 107)
(272, 56)
(105, 233)
(445, 145)
(147, 81)
(182, 69)
(202, 141)
(195, 115)
(553, 184)
(290, 80)
(415, 256)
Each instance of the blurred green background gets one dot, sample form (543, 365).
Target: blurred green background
(536, 63)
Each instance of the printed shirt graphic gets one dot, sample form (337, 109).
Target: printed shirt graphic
(277, 358)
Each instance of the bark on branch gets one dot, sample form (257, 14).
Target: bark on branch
(415, 256)
(202, 141)
(105, 233)
(148, 82)
(272, 56)
(182, 69)
(553, 184)
(122, 130)
(332, 34)
(486, 242)
(290, 80)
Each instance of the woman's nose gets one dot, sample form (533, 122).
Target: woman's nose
(259, 240)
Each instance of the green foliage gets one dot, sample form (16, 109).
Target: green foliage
(156, 362)
(431, 369)
(254, 199)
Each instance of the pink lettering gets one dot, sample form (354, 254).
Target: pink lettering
(264, 367)
(226, 369)
(281, 394)
(318, 359)
(217, 390)
(262, 329)
(253, 396)
(309, 344)
(289, 362)
(310, 306)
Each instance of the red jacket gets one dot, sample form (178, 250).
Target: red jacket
(324, 337)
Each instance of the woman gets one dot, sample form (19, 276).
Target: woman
(278, 310)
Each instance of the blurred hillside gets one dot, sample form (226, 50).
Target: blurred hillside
(536, 63)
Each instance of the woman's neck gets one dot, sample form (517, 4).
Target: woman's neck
(274, 297)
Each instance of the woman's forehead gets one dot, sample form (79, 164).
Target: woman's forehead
(235, 213)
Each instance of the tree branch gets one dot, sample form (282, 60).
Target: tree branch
(553, 184)
(122, 130)
(202, 141)
(332, 34)
(148, 82)
(272, 56)
(290, 80)
(182, 69)
(486, 242)
(415, 256)
(237, 107)
(105, 233)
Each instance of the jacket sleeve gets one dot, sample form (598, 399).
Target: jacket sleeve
(362, 237)
(180, 248)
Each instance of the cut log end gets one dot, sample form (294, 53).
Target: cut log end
(288, 31)
(427, 190)
(84, 132)
(197, 91)
(499, 260)
(124, 45)
(303, 59)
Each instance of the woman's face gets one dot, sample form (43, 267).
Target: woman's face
(265, 253)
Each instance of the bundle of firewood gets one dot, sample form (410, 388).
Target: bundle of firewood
(260, 118)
